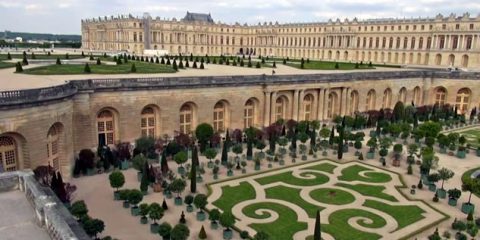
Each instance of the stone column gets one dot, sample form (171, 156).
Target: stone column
(325, 103)
(273, 101)
(295, 104)
(300, 105)
(347, 112)
(320, 104)
(266, 114)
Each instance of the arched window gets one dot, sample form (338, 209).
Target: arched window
(307, 107)
(463, 100)
(370, 105)
(387, 99)
(416, 95)
(249, 114)
(402, 95)
(219, 117)
(331, 105)
(8, 154)
(440, 96)
(353, 102)
(186, 119)
(106, 127)
(148, 122)
(280, 107)
(53, 147)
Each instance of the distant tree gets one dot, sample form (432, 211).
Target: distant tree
(203, 132)
(133, 69)
(18, 67)
(58, 62)
(261, 235)
(337, 66)
(317, 234)
(24, 60)
(9, 57)
(99, 62)
(156, 212)
(164, 205)
(258, 65)
(201, 65)
(174, 66)
(117, 180)
(87, 69)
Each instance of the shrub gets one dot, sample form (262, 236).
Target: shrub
(180, 232)
(116, 179)
(202, 234)
(87, 69)
(164, 229)
(79, 209)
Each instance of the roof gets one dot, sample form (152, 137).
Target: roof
(201, 17)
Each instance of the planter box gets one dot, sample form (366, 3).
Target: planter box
(178, 201)
(91, 171)
(157, 187)
(139, 176)
(478, 152)
(181, 170)
(143, 220)
(125, 165)
(461, 154)
(210, 164)
(135, 211)
(373, 133)
(201, 216)
(441, 193)
(244, 170)
(452, 202)
(432, 187)
(126, 204)
(281, 162)
(467, 208)
(304, 157)
(154, 228)
(168, 194)
(215, 176)
(189, 208)
(370, 155)
(229, 172)
(116, 196)
(257, 167)
(443, 150)
(214, 225)
(227, 234)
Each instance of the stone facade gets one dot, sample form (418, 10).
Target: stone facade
(438, 41)
(75, 110)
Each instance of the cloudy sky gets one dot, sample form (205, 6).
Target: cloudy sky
(63, 16)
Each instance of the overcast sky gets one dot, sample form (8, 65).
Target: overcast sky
(63, 16)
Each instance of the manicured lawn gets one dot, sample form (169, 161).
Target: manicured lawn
(404, 215)
(468, 174)
(6, 65)
(43, 56)
(472, 136)
(234, 195)
(322, 65)
(338, 225)
(282, 228)
(332, 196)
(352, 173)
(288, 178)
(99, 69)
(324, 167)
(369, 190)
(292, 195)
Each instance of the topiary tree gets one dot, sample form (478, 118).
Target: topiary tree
(79, 209)
(87, 69)
(200, 201)
(227, 220)
(202, 234)
(58, 62)
(155, 212)
(164, 230)
(204, 132)
(144, 210)
(117, 180)
(210, 153)
(133, 69)
(180, 232)
(135, 197)
(177, 186)
(261, 235)
(445, 174)
(93, 227)
(18, 67)
(181, 158)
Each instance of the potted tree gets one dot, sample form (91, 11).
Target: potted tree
(79, 209)
(139, 163)
(180, 158)
(471, 185)
(461, 152)
(260, 146)
(229, 167)
(227, 220)
(200, 202)
(93, 227)
(214, 216)
(358, 146)
(303, 137)
(282, 141)
(444, 175)
(178, 186)
(453, 196)
(117, 180)
(372, 144)
(164, 230)
(412, 152)
(123, 195)
(180, 232)
(210, 154)
(257, 163)
(385, 143)
(237, 149)
(135, 197)
(397, 149)
(215, 172)
(433, 179)
(189, 201)
(144, 209)
(244, 164)
(324, 134)
(155, 214)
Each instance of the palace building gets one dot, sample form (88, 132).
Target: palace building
(452, 41)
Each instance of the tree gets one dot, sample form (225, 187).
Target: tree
(174, 65)
(214, 215)
(58, 62)
(117, 180)
(24, 60)
(181, 158)
(135, 197)
(93, 227)
(177, 186)
(18, 67)
(445, 174)
(9, 57)
(210, 153)
(180, 232)
(79, 209)
(471, 185)
(317, 234)
(87, 69)
(144, 210)
(193, 171)
(164, 205)
(227, 220)
(133, 69)
(399, 111)
(164, 230)
(144, 182)
(261, 235)
(164, 163)
(200, 201)
(202, 234)
(203, 132)
(337, 66)
(155, 212)
(99, 62)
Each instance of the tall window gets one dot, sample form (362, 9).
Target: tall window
(53, 147)
(249, 114)
(280, 107)
(106, 127)
(307, 107)
(402, 95)
(8, 154)
(186, 116)
(387, 98)
(331, 105)
(370, 105)
(219, 117)
(440, 96)
(353, 102)
(416, 95)
(463, 99)
(148, 122)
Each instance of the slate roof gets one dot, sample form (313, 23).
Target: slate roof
(201, 17)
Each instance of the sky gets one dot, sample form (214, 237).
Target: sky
(64, 16)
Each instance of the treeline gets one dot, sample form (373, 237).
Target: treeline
(42, 36)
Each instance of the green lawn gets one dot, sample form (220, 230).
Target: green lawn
(66, 69)
(339, 228)
(234, 195)
(288, 178)
(292, 195)
(43, 56)
(322, 65)
(403, 214)
(6, 65)
(282, 228)
(472, 136)
(324, 167)
(352, 173)
(332, 196)
(468, 174)
(369, 190)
